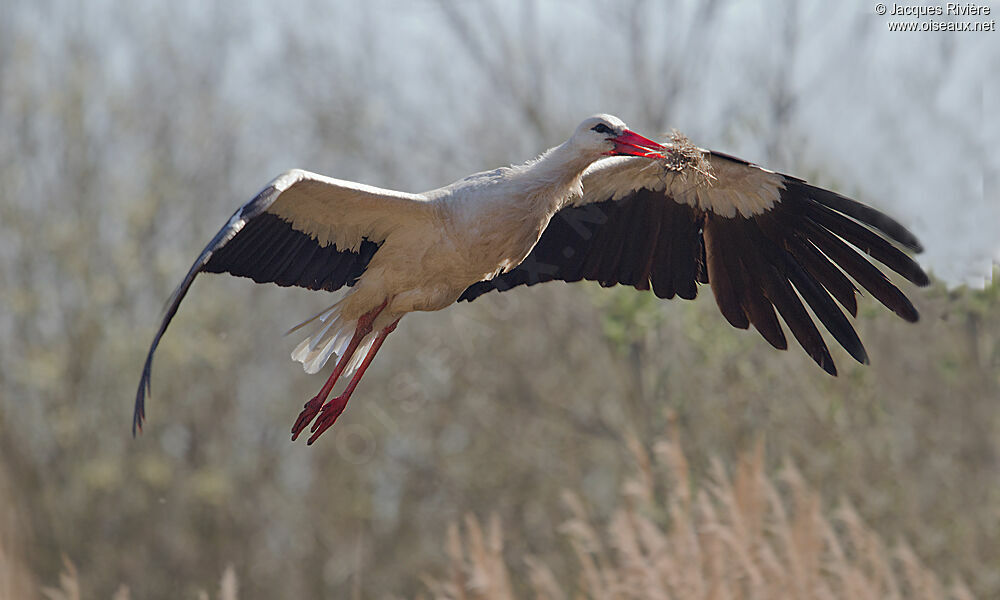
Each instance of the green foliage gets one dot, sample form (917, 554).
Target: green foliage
(626, 316)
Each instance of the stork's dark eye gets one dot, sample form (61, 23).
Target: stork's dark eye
(601, 128)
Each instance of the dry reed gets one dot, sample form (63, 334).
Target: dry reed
(739, 535)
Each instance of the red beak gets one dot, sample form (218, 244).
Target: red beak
(630, 143)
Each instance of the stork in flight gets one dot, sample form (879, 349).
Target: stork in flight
(607, 205)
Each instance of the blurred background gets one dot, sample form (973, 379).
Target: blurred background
(129, 132)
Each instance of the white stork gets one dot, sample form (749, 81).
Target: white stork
(661, 217)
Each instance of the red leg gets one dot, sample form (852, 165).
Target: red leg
(333, 408)
(313, 406)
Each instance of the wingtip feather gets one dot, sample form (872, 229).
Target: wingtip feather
(139, 413)
(827, 365)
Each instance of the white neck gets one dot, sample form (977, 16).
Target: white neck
(500, 215)
(553, 178)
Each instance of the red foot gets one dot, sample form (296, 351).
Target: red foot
(308, 413)
(313, 406)
(331, 411)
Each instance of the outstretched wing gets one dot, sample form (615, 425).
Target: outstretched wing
(303, 230)
(763, 241)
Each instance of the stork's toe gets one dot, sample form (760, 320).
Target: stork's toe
(309, 411)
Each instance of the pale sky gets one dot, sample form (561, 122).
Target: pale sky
(896, 120)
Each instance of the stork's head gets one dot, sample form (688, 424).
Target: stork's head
(607, 134)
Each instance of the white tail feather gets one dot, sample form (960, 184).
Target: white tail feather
(322, 316)
(321, 334)
(331, 338)
(360, 354)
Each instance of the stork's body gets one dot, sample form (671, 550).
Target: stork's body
(663, 218)
(466, 232)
